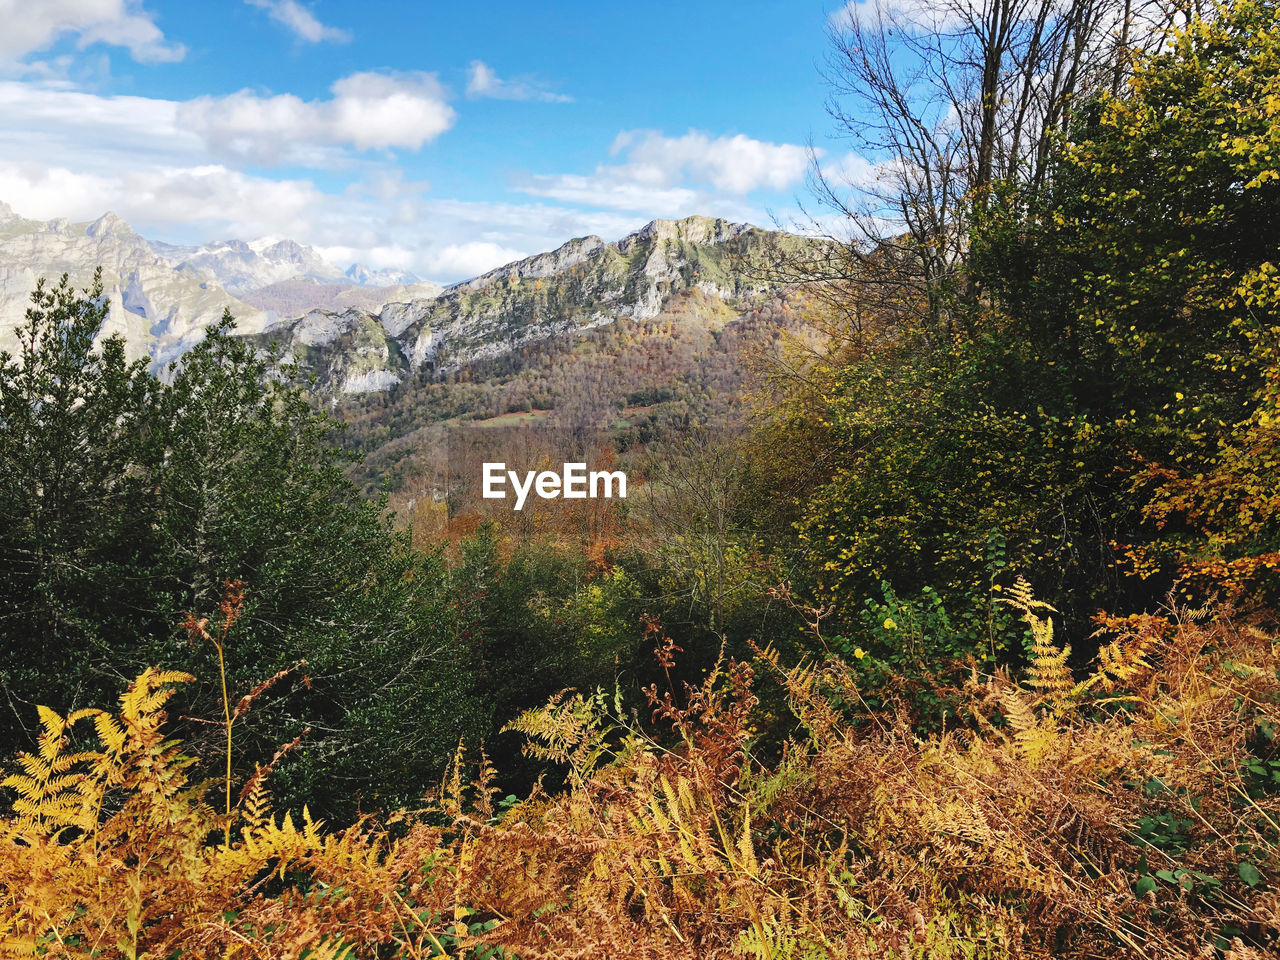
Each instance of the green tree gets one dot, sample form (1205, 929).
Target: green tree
(129, 501)
(1125, 343)
(74, 511)
(1141, 298)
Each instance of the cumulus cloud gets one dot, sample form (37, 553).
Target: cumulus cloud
(34, 26)
(53, 125)
(674, 176)
(161, 166)
(300, 21)
(368, 111)
(483, 81)
(737, 164)
(202, 196)
(202, 203)
(67, 153)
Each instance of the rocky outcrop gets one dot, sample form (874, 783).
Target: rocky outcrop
(583, 284)
(161, 312)
(163, 296)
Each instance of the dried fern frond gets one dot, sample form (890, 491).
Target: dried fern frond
(1047, 671)
(572, 730)
(1126, 660)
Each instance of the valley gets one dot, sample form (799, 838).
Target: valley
(595, 347)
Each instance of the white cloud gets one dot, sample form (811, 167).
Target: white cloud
(483, 81)
(195, 197)
(390, 256)
(470, 259)
(676, 176)
(99, 134)
(29, 26)
(390, 110)
(608, 188)
(367, 111)
(197, 204)
(80, 156)
(300, 21)
(67, 153)
(913, 15)
(43, 193)
(939, 16)
(445, 240)
(539, 226)
(737, 164)
(851, 170)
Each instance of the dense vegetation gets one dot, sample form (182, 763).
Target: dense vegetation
(814, 710)
(1072, 819)
(632, 381)
(128, 501)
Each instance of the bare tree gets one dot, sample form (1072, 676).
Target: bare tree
(941, 100)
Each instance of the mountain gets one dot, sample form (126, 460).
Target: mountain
(592, 352)
(241, 267)
(163, 295)
(161, 312)
(584, 284)
(294, 297)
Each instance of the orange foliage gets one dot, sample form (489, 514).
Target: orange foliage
(1123, 817)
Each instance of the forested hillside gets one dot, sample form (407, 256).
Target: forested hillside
(940, 622)
(620, 343)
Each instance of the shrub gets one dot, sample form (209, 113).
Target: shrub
(1132, 813)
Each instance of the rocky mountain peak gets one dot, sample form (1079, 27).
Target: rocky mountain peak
(108, 225)
(582, 284)
(697, 230)
(541, 266)
(287, 250)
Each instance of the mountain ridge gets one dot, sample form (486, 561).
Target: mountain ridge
(582, 284)
(348, 336)
(161, 296)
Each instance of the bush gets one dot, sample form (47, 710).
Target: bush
(1130, 814)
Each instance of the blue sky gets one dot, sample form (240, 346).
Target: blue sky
(442, 138)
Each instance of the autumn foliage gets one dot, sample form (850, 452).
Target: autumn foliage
(932, 763)
(1133, 813)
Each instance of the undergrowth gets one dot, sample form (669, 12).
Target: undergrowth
(1129, 814)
